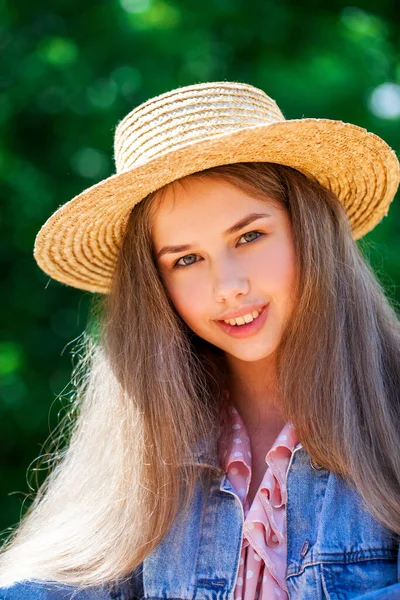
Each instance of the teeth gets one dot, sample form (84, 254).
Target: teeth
(242, 320)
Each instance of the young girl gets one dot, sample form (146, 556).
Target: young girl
(236, 430)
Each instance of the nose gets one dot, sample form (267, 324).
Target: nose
(229, 283)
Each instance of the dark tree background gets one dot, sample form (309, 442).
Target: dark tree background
(70, 70)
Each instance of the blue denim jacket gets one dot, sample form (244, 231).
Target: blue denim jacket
(336, 549)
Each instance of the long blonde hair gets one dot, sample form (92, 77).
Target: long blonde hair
(151, 394)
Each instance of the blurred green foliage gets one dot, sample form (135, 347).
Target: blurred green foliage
(70, 70)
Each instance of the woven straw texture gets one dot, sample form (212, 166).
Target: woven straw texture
(201, 126)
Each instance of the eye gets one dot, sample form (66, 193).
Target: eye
(258, 233)
(249, 233)
(176, 263)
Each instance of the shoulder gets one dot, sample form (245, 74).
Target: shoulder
(51, 591)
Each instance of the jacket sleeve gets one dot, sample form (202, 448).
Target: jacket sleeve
(30, 590)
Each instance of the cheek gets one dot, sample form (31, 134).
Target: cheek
(188, 298)
(284, 273)
(276, 270)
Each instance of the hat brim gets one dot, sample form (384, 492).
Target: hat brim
(79, 244)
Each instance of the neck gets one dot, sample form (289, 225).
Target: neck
(254, 392)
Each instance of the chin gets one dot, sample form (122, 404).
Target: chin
(251, 354)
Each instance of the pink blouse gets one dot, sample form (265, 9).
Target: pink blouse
(262, 569)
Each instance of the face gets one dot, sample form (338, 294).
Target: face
(225, 268)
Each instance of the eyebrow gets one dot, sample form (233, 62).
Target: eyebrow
(233, 229)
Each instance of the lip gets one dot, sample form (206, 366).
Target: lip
(245, 310)
(248, 329)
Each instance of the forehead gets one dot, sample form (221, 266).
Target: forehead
(198, 201)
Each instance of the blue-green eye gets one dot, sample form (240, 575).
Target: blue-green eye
(250, 233)
(186, 264)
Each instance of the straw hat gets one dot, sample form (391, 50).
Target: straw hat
(201, 126)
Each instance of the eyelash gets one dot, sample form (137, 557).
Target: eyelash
(176, 266)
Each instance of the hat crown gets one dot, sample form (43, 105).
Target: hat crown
(188, 115)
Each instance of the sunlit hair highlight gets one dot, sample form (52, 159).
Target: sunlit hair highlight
(151, 395)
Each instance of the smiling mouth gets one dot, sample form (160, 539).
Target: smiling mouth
(238, 330)
(240, 321)
(244, 319)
